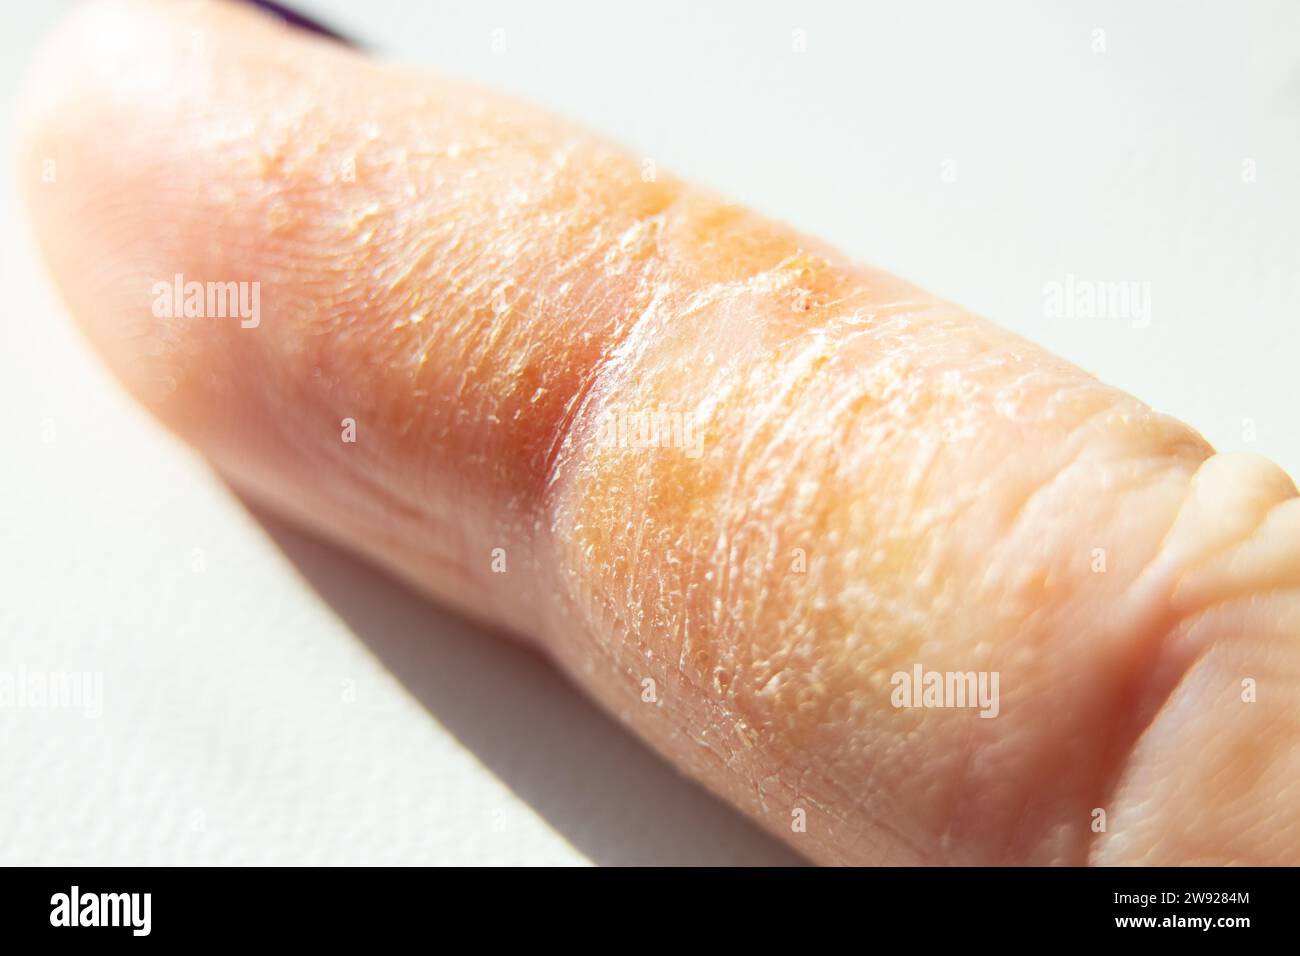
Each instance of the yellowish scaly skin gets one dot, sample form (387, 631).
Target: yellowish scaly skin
(874, 479)
(884, 481)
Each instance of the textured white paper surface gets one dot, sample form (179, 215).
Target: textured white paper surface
(268, 700)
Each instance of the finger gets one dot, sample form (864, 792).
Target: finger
(744, 491)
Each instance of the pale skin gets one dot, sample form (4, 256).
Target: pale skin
(881, 480)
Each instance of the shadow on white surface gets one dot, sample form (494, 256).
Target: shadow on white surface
(595, 784)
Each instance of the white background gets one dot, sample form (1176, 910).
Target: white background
(228, 735)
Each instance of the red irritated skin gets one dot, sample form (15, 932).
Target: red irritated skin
(745, 491)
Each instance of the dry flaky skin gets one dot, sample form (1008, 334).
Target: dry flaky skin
(883, 480)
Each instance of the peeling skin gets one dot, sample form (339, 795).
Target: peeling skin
(476, 283)
(923, 461)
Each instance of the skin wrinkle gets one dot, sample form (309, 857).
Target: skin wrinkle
(1111, 781)
(724, 510)
(587, 395)
(1136, 669)
(1189, 652)
(1256, 566)
(1074, 457)
(1167, 569)
(1166, 619)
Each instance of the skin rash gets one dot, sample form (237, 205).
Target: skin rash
(851, 479)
